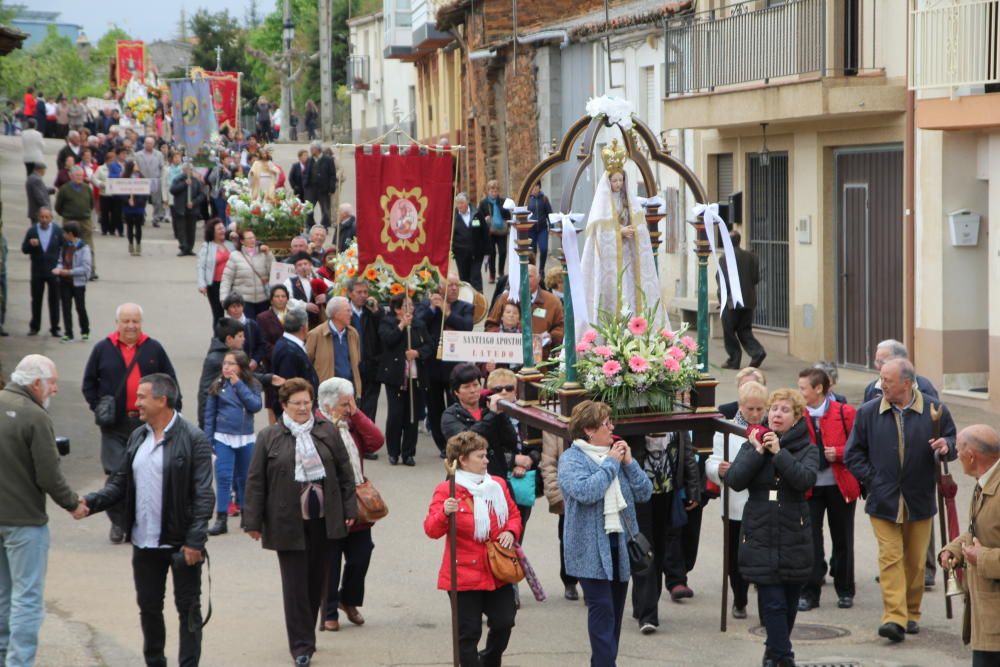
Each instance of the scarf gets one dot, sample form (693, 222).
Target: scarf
(487, 497)
(497, 215)
(352, 449)
(614, 501)
(308, 464)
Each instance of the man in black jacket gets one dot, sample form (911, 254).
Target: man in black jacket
(469, 242)
(43, 243)
(189, 196)
(229, 336)
(105, 375)
(320, 179)
(737, 321)
(365, 317)
(289, 358)
(165, 487)
(296, 175)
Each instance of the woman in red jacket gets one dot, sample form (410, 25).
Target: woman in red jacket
(361, 436)
(836, 491)
(484, 511)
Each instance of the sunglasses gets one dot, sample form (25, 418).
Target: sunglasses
(502, 388)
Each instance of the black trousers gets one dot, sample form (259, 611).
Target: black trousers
(499, 609)
(38, 286)
(840, 517)
(668, 557)
(498, 255)
(70, 294)
(470, 269)
(740, 586)
(401, 424)
(370, 390)
(184, 230)
(133, 226)
(322, 200)
(303, 574)
(778, 605)
(214, 303)
(567, 579)
(149, 569)
(109, 206)
(355, 551)
(438, 398)
(114, 442)
(691, 538)
(737, 330)
(985, 658)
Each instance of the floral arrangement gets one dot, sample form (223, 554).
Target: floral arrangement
(142, 108)
(383, 283)
(615, 110)
(629, 364)
(276, 217)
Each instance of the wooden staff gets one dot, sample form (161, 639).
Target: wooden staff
(453, 554)
(942, 521)
(726, 537)
(408, 308)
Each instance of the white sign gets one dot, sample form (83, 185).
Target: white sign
(97, 104)
(280, 272)
(128, 186)
(483, 347)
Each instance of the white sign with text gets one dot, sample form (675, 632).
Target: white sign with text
(482, 347)
(280, 272)
(129, 186)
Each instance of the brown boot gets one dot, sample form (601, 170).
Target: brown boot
(353, 615)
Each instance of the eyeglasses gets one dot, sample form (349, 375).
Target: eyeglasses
(501, 388)
(300, 404)
(608, 424)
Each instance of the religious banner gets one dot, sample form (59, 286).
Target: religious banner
(130, 61)
(405, 198)
(194, 117)
(225, 87)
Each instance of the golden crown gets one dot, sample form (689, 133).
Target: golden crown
(614, 156)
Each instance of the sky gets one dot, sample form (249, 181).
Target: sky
(147, 20)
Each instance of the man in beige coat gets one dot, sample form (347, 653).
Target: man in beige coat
(978, 548)
(334, 347)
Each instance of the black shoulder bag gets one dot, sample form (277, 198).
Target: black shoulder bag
(640, 551)
(106, 410)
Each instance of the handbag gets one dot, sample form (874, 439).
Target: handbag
(505, 563)
(523, 488)
(106, 410)
(640, 551)
(371, 507)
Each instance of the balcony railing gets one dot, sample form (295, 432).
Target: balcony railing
(955, 45)
(743, 43)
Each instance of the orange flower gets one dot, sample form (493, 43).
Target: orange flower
(351, 252)
(371, 274)
(396, 289)
(340, 271)
(424, 275)
(351, 272)
(411, 292)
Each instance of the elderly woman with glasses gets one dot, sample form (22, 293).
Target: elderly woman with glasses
(299, 500)
(360, 437)
(600, 484)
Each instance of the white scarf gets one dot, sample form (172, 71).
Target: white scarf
(352, 449)
(614, 501)
(308, 464)
(487, 497)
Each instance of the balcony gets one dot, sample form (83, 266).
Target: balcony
(410, 30)
(955, 46)
(358, 73)
(426, 36)
(771, 61)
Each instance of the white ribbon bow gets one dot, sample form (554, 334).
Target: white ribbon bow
(710, 212)
(571, 249)
(513, 269)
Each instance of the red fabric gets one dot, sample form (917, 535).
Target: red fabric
(474, 573)
(225, 87)
(128, 353)
(477, 414)
(836, 426)
(221, 257)
(29, 105)
(131, 61)
(408, 198)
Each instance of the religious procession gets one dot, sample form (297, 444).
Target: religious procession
(675, 279)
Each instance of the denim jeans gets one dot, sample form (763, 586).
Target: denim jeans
(231, 468)
(24, 555)
(778, 605)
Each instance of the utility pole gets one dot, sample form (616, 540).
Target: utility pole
(325, 17)
(288, 34)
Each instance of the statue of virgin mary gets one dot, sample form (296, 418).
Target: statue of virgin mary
(617, 243)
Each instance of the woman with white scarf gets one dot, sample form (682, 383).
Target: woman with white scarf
(484, 512)
(600, 484)
(299, 500)
(360, 437)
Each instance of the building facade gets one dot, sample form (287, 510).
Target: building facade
(36, 23)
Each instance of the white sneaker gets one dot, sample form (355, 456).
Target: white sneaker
(647, 628)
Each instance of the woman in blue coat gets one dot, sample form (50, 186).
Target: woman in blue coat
(601, 484)
(232, 401)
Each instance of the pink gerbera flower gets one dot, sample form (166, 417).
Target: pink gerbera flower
(589, 336)
(583, 346)
(677, 354)
(638, 364)
(611, 368)
(603, 351)
(667, 333)
(689, 343)
(671, 364)
(637, 326)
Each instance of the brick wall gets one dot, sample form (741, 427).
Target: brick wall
(533, 15)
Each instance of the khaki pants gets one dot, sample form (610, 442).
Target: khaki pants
(902, 551)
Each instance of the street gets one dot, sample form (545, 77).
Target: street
(92, 616)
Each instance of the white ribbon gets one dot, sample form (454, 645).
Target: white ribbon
(513, 268)
(571, 249)
(710, 212)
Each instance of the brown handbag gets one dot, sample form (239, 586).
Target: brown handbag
(371, 507)
(504, 563)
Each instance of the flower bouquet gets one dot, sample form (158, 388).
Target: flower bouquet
(142, 108)
(383, 283)
(280, 216)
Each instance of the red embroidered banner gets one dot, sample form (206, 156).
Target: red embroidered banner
(404, 209)
(131, 61)
(225, 98)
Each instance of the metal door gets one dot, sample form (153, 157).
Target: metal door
(855, 275)
(767, 215)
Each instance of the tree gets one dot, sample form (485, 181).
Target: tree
(107, 47)
(212, 29)
(252, 15)
(53, 66)
(268, 38)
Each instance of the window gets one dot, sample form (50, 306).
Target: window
(648, 82)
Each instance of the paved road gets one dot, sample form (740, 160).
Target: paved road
(92, 616)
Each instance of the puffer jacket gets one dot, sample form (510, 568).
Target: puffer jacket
(231, 410)
(248, 276)
(776, 535)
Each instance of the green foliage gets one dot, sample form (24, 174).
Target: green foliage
(106, 46)
(53, 66)
(268, 38)
(212, 29)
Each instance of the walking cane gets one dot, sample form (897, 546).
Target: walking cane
(726, 537)
(942, 522)
(453, 554)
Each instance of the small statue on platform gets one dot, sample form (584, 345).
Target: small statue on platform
(617, 243)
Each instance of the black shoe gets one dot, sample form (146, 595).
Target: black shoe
(912, 628)
(93, 277)
(33, 332)
(807, 603)
(845, 602)
(785, 662)
(570, 593)
(302, 660)
(929, 583)
(739, 612)
(757, 361)
(371, 457)
(393, 460)
(156, 223)
(3, 333)
(116, 534)
(648, 628)
(184, 254)
(731, 366)
(219, 527)
(442, 454)
(408, 461)
(55, 333)
(892, 631)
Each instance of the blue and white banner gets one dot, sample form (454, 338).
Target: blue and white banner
(194, 113)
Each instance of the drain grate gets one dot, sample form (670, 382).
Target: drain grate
(809, 632)
(828, 664)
